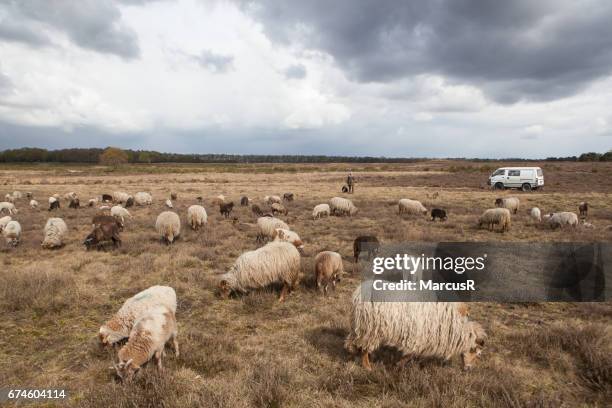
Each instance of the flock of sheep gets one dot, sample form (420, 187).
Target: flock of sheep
(148, 319)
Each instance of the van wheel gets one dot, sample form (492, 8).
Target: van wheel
(526, 187)
(499, 186)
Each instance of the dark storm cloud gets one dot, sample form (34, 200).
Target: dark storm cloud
(216, 63)
(90, 24)
(296, 71)
(512, 50)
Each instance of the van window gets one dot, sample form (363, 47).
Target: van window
(539, 172)
(514, 172)
(499, 172)
(527, 173)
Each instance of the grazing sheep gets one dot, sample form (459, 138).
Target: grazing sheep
(495, 216)
(120, 213)
(70, 196)
(535, 214)
(17, 195)
(244, 201)
(105, 229)
(9, 198)
(407, 206)
(4, 221)
(12, 233)
(419, 329)
(288, 197)
(218, 200)
(272, 199)
(438, 213)
(92, 202)
(320, 210)
(119, 197)
(74, 203)
(345, 189)
(129, 202)
(268, 226)
(54, 204)
(120, 325)
(279, 209)
(342, 206)
(256, 210)
(107, 198)
(328, 269)
(54, 232)
(168, 226)
(33, 204)
(226, 208)
(147, 340)
(274, 262)
(365, 243)
(561, 219)
(285, 235)
(169, 203)
(587, 225)
(511, 203)
(173, 196)
(583, 208)
(196, 216)
(8, 207)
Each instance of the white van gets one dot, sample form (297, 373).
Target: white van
(525, 178)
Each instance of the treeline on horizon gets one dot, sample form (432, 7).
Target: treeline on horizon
(92, 155)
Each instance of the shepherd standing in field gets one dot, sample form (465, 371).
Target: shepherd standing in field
(350, 181)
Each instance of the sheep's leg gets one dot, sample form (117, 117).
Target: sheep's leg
(365, 360)
(284, 293)
(175, 345)
(158, 358)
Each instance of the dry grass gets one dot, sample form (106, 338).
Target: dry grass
(250, 350)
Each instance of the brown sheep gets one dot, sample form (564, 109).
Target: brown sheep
(104, 231)
(226, 209)
(328, 269)
(279, 209)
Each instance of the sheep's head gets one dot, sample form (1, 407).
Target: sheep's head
(224, 289)
(93, 238)
(499, 202)
(353, 210)
(477, 342)
(126, 370)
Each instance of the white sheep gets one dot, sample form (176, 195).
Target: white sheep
(267, 227)
(320, 210)
(218, 200)
(3, 221)
(8, 207)
(12, 233)
(285, 235)
(420, 329)
(196, 216)
(561, 219)
(120, 213)
(9, 198)
(147, 340)
(535, 214)
(54, 232)
(120, 325)
(495, 216)
(511, 203)
(143, 198)
(92, 202)
(119, 197)
(342, 206)
(276, 262)
(169, 203)
(328, 269)
(168, 226)
(272, 199)
(33, 204)
(407, 206)
(17, 195)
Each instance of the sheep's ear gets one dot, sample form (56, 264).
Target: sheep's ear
(480, 341)
(127, 364)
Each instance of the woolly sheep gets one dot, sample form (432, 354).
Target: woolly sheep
(147, 340)
(285, 235)
(268, 226)
(495, 216)
(120, 213)
(33, 204)
(169, 203)
(218, 200)
(143, 198)
(320, 210)
(70, 196)
(119, 197)
(12, 233)
(9, 198)
(562, 219)
(342, 206)
(196, 216)
(279, 209)
(120, 325)
(423, 329)
(407, 206)
(535, 214)
(511, 203)
(274, 262)
(17, 195)
(168, 226)
(328, 269)
(54, 232)
(3, 221)
(272, 199)
(8, 207)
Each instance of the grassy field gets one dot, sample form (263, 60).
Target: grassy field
(252, 351)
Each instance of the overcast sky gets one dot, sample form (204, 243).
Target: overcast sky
(439, 78)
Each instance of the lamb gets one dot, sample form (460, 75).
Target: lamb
(561, 219)
(33, 204)
(288, 197)
(12, 233)
(328, 269)
(256, 210)
(92, 202)
(279, 208)
(226, 208)
(495, 216)
(8, 207)
(168, 226)
(342, 206)
(285, 235)
(244, 201)
(268, 226)
(54, 203)
(511, 203)
(365, 243)
(274, 262)
(421, 329)
(3, 221)
(74, 203)
(272, 199)
(119, 197)
(407, 206)
(583, 208)
(120, 325)
(54, 232)
(120, 213)
(438, 213)
(105, 229)
(147, 340)
(320, 210)
(196, 216)
(169, 203)
(535, 214)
